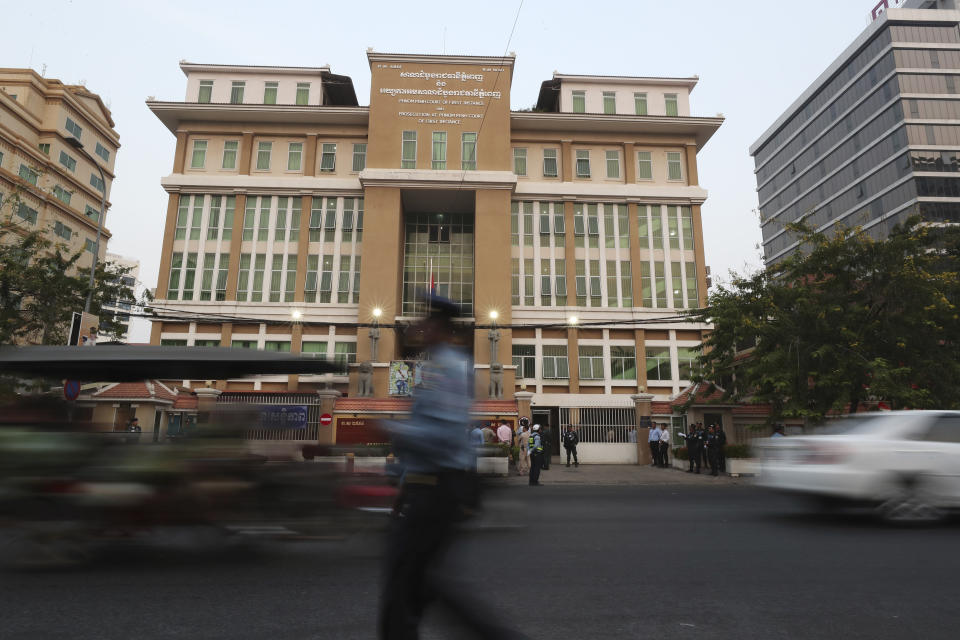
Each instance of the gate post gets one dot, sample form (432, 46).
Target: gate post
(328, 400)
(642, 403)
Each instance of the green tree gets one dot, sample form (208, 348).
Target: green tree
(844, 319)
(41, 283)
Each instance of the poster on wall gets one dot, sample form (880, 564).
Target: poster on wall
(404, 377)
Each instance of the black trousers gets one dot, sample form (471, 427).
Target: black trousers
(536, 463)
(572, 450)
(664, 454)
(421, 531)
(722, 460)
(694, 453)
(705, 455)
(655, 452)
(712, 454)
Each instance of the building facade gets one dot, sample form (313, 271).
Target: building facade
(119, 310)
(45, 181)
(874, 140)
(570, 234)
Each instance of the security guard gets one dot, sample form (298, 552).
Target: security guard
(722, 448)
(694, 437)
(713, 446)
(536, 455)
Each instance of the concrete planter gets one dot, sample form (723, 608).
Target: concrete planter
(743, 466)
(493, 466)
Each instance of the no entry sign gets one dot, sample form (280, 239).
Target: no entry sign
(326, 419)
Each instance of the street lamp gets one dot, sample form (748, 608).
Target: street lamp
(573, 321)
(296, 314)
(76, 144)
(377, 312)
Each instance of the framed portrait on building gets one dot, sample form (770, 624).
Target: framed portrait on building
(401, 378)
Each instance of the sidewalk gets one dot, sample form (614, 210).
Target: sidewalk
(619, 474)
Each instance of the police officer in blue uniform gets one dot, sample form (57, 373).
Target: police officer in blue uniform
(535, 446)
(438, 490)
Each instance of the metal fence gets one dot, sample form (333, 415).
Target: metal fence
(309, 400)
(599, 425)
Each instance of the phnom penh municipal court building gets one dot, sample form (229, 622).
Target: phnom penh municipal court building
(570, 233)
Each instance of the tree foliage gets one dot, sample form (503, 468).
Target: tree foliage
(843, 320)
(41, 284)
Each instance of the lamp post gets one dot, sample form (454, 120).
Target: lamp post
(76, 144)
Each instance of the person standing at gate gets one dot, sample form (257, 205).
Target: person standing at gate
(654, 442)
(535, 446)
(570, 442)
(704, 452)
(438, 490)
(523, 451)
(664, 445)
(713, 444)
(721, 448)
(693, 438)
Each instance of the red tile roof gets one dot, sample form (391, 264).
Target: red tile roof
(402, 405)
(661, 408)
(704, 394)
(185, 402)
(147, 390)
(758, 410)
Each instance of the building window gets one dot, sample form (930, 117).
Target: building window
(318, 348)
(520, 161)
(61, 194)
(243, 277)
(73, 128)
(62, 231)
(343, 281)
(673, 227)
(270, 93)
(579, 102)
(560, 281)
(294, 155)
(671, 103)
(326, 279)
(243, 344)
(646, 281)
(674, 165)
(276, 276)
(89, 246)
(199, 154)
(439, 157)
(282, 346)
(613, 164)
(189, 276)
(686, 227)
(623, 363)
(658, 363)
(661, 284)
(223, 270)
(583, 163)
(103, 152)
(612, 299)
(693, 296)
(609, 102)
(555, 365)
(230, 154)
(67, 161)
(525, 360)
(656, 228)
(29, 174)
(170, 342)
(359, 156)
(205, 343)
(626, 283)
(596, 293)
(264, 150)
(677, 280)
(344, 353)
(468, 152)
(549, 163)
(591, 362)
(545, 288)
(310, 282)
(206, 91)
(303, 93)
(44, 148)
(644, 165)
(94, 215)
(408, 153)
(236, 91)
(328, 157)
(687, 362)
(438, 255)
(206, 276)
(96, 182)
(259, 266)
(640, 103)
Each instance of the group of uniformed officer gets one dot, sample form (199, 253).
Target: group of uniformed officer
(706, 446)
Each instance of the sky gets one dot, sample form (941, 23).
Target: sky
(753, 58)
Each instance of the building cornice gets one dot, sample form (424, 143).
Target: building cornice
(203, 183)
(690, 82)
(199, 67)
(430, 179)
(171, 114)
(373, 56)
(625, 125)
(600, 191)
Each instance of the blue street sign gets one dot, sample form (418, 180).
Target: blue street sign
(283, 416)
(71, 389)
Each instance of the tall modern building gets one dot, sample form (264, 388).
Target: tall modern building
(119, 310)
(570, 234)
(47, 182)
(875, 139)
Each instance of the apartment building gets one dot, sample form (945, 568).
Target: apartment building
(46, 182)
(119, 310)
(875, 139)
(570, 234)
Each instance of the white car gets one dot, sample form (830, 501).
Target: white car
(906, 463)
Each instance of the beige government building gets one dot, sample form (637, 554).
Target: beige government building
(570, 233)
(46, 183)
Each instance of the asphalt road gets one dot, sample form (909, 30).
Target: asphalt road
(666, 561)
